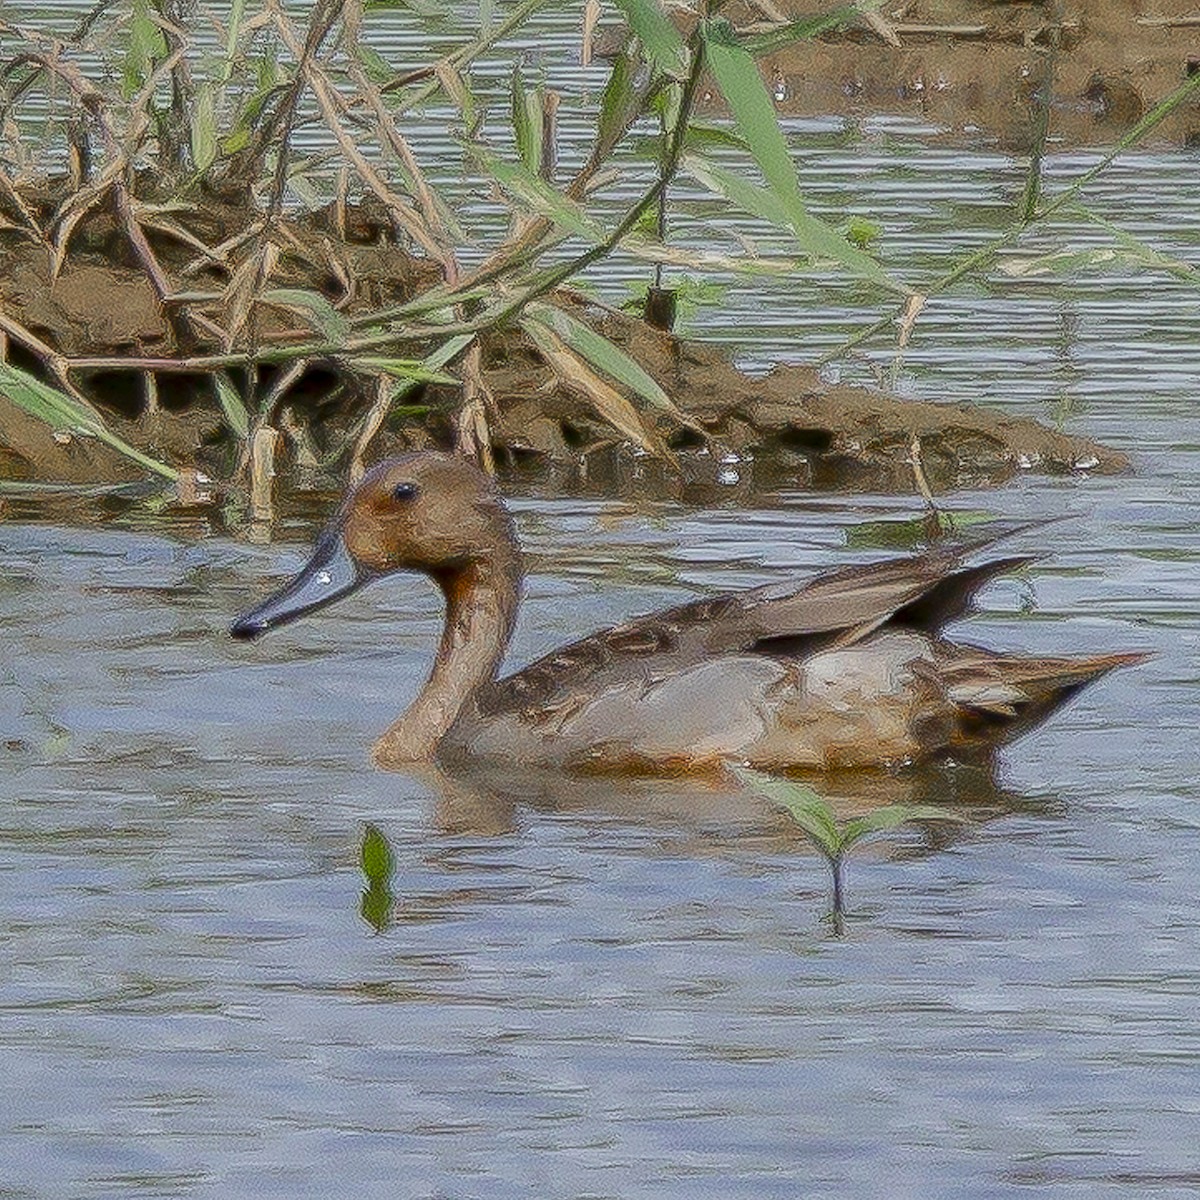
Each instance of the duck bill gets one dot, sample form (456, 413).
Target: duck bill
(329, 575)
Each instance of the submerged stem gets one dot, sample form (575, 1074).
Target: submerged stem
(836, 865)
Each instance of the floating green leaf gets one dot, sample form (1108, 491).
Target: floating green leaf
(377, 900)
(907, 532)
(376, 855)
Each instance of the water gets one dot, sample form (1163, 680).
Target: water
(602, 991)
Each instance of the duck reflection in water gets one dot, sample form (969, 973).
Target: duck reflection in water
(714, 813)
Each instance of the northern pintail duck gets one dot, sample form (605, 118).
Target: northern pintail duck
(845, 670)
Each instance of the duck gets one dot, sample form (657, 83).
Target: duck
(845, 670)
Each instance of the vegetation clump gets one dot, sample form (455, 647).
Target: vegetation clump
(201, 287)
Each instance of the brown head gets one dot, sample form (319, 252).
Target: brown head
(435, 513)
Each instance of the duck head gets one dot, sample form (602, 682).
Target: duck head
(429, 512)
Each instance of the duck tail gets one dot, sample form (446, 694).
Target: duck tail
(999, 697)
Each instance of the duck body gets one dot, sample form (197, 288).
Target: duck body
(846, 670)
(845, 707)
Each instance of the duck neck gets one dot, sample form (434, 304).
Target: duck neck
(481, 607)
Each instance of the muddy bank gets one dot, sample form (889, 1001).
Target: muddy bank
(787, 428)
(976, 67)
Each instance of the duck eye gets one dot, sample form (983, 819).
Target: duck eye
(404, 491)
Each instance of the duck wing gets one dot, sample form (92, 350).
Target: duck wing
(780, 619)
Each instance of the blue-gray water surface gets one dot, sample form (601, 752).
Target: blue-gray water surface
(601, 991)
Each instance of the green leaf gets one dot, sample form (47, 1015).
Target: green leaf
(63, 412)
(236, 12)
(204, 129)
(527, 122)
(231, 403)
(433, 362)
(801, 30)
(146, 44)
(540, 196)
(652, 250)
(880, 820)
(376, 856)
(375, 66)
(239, 139)
(301, 186)
(754, 114)
(861, 233)
(425, 9)
(323, 316)
(1140, 251)
(806, 807)
(447, 351)
(377, 900)
(403, 368)
(660, 39)
(602, 354)
(460, 95)
(618, 104)
(700, 137)
(758, 201)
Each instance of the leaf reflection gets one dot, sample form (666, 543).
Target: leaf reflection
(378, 863)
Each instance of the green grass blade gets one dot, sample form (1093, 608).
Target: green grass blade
(754, 114)
(233, 34)
(527, 122)
(230, 399)
(801, 30)
(204, 129)
(408, 369)
(758, 201)
(618, 103)
(660, 39)
(63, 412)
(146, 44)
(432, 363)
(323, 316)
(541, 197)
(602, 354)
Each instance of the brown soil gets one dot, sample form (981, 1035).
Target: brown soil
(975, 66)
(797, 429)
